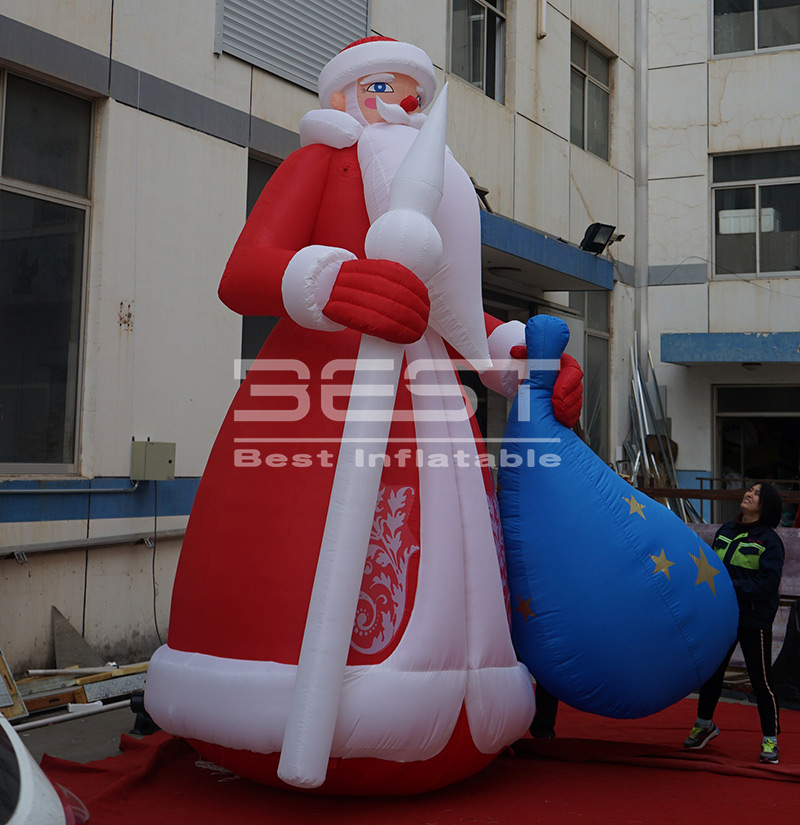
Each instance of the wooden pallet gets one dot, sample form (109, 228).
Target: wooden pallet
(11, 704)
(45, 701)
(112, 673)
(43, 692)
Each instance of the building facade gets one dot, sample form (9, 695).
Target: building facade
(723, 288)
(136, 135)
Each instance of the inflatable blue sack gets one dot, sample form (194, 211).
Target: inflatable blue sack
(618, 608)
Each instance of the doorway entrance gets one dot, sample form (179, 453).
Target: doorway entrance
(758, 438)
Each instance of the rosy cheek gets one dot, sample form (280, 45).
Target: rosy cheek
(370, 103)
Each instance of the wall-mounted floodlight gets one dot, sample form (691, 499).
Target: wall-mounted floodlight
(598, 237)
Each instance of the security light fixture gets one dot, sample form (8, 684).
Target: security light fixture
(598, 237)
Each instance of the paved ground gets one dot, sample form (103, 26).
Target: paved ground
(81, 740)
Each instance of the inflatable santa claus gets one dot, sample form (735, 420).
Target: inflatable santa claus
(428, 688)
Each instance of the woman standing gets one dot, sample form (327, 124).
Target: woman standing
(753, 555)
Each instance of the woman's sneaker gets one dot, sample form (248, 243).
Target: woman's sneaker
(699, 737)
(769, 752)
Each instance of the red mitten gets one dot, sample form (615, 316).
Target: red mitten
(568, 392)
(380, 298)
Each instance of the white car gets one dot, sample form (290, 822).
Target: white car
(27, 797)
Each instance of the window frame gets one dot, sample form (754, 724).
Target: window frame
(254, 325)
(501, 15)
(743, 52)
(580, 310)
(598, 333)
(84, 204)
(588, 43)
(756, 184)
(720, 417)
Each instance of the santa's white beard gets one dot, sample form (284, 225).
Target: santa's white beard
(351, 105)
(455, 287)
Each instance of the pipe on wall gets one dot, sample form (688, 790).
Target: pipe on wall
(641, 204)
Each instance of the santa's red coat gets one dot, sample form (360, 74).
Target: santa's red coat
(249, 556)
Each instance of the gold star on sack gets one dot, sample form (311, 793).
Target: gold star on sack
(524, 607)
(663, 564)
(636, 507)
(705, 572)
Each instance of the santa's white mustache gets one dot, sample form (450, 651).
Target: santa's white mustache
(395, 113)
(392, 112)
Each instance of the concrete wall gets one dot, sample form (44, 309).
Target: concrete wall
(86, 24)
(107, 594)
(169, 374)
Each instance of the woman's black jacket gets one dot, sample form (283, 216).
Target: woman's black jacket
(753, 555)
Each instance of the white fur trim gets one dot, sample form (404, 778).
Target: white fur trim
(377, 56)
(329, 127)
(384, 713)
(507, 372)
(500, 705)
(307, 284)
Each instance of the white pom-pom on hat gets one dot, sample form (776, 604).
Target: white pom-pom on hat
(376, 54)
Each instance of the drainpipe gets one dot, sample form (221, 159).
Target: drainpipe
(541, 27)
(641, 205)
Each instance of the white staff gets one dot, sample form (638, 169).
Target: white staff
(405, 234)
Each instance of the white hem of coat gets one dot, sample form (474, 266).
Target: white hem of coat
(384, 713)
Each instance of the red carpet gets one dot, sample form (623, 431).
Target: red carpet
(597, 771)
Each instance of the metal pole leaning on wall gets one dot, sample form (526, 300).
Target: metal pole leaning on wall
(663, 415)
(91, 710)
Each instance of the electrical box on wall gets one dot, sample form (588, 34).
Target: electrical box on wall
(152, 460)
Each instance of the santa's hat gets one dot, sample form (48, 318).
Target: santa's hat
(371, 55)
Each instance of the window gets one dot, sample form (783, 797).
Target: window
(478, 52)
(589, 97)
(44, 219)
(292, 40)
(766, 184)
(758, 437)
(256, 328)
(750, 25)
(592, 306)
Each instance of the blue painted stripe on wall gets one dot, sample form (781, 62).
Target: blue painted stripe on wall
(520, 240)
(730, 347)
(175, 498)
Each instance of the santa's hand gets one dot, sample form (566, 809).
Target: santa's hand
(380, 298)
(506, 372)
(568, 392)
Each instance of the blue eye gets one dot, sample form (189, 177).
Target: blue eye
(380, 87)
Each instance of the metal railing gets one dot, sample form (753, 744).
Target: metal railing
(728, 493)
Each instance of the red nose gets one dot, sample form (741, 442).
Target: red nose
(409, 103)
